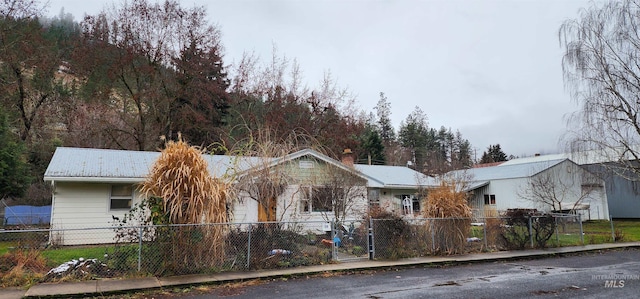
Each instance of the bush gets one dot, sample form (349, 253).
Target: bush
(517, 233)
(390, 232)
(266, 237)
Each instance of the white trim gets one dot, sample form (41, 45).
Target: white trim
(94, 180)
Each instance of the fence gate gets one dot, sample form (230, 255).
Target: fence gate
(350, 240)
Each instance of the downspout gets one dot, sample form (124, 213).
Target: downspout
(53, 202)
(53, 205)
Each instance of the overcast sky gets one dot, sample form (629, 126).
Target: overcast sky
(490, 69)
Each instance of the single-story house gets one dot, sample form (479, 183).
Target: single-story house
(94, 187)
(558, 185)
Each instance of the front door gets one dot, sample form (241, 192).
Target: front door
(268, 212)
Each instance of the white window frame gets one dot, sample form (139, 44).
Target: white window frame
(306, 201)
(373, 196)
(489, 199)
(120, 197)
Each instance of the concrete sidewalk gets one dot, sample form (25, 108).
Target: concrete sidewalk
(106, 286)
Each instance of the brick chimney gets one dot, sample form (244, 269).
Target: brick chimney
(347, 157)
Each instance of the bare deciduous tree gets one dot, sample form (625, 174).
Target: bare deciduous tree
(261, 174)
(154, 64)
(601, 66)
(558, 191)
(339, 192)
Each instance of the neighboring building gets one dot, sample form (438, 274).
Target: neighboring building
(622, 187)
(93, 187)
(506, 186)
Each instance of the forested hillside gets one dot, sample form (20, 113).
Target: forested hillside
(131, 74)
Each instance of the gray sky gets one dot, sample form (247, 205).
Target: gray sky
(491, 69)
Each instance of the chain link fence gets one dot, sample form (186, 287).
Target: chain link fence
(210, 248)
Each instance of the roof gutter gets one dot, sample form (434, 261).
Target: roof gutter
(93, 179)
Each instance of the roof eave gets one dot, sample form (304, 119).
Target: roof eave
(391, 186)
(94, 179)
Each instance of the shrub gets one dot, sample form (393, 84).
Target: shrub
(390, 232)
(517, 233)
(266, 237)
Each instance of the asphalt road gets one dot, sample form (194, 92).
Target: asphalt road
(608, 274)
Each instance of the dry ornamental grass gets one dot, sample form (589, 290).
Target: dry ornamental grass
(190, 195)
(453, 217)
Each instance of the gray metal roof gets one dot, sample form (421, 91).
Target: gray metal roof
(394, 176)
(583, 157)
(502, 171)
(104, 165)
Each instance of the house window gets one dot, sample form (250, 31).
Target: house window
(489, 199)
(305, 200)
(317, 199)
(321, 199)
(409, 203)
(374, 197)
(416, 204)
(121, 197)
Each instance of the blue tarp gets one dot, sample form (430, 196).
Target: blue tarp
(16, 215)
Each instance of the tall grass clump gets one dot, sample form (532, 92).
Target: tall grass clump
(21, 267)
(186, 193)
(450, 217)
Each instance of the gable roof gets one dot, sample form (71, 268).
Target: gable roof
(604, 155)
(112, 166)
(503, 171)
(395, 177)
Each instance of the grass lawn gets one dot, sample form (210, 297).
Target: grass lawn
(598, 232)
(58, 256)
(630, 229)
(595, 232)
(5, 246)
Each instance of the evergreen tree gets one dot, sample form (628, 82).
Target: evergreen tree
(14, 170)
(385, 128)
(372, 148)
(414, 136)
(493, 154)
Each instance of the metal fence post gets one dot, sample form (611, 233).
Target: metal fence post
(372, 249)
(555, 221)
(581, 232)
(139, 248)
(249, 247)
(484, 231)
(530, 232)
(613, 232)
(433, 236)
(334, 248)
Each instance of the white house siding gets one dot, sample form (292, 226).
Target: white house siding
(313, 221)
(508, 192)
(598, 207)
(245, 210)
(288, 210)
(83, 205)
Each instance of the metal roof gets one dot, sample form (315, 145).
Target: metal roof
(105, 165)
(604, 155)
(395, 176)
(503, 171)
